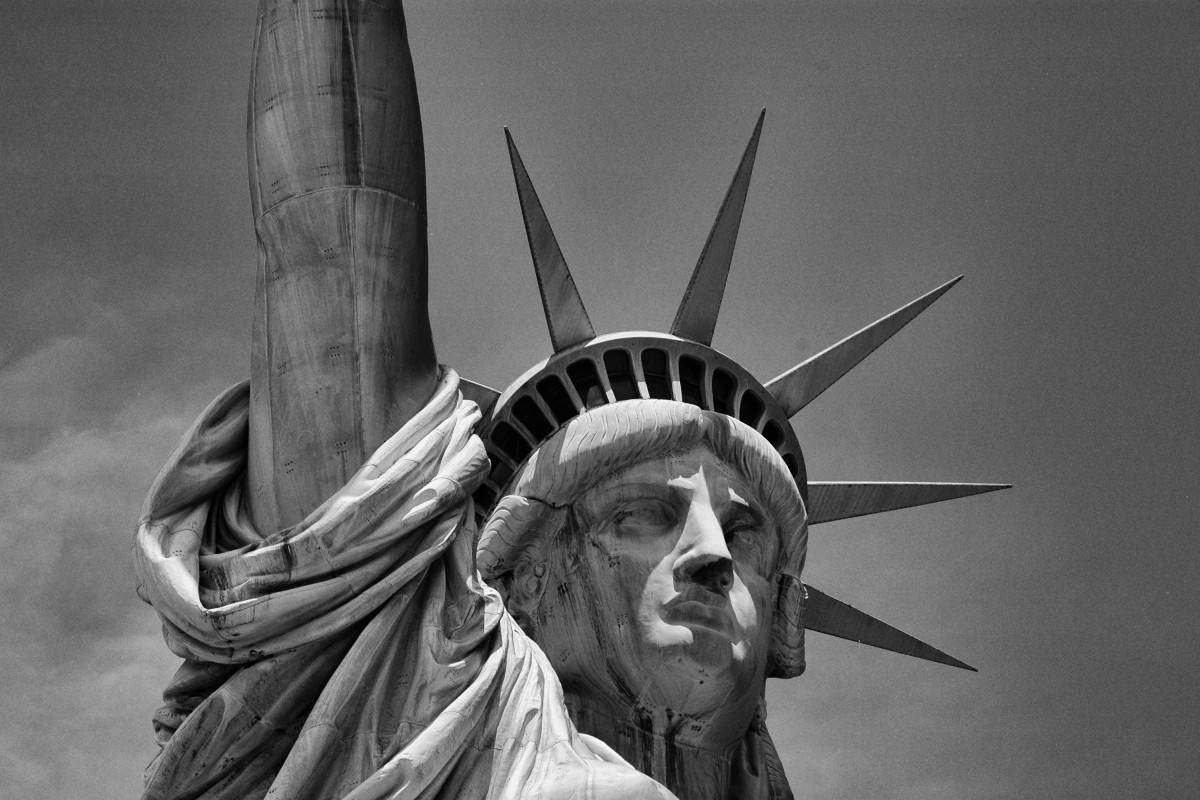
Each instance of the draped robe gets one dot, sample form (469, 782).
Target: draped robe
(357, 654)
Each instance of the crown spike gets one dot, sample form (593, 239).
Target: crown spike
(566, 318)
(833, 501)
(824, 614)
(800, 385)
(481, 394)
(697, 315)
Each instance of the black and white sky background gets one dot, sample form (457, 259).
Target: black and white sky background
(1047, 150)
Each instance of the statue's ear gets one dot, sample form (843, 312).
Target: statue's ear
(791, 599)
(522, 589)
(512, 553)
(787, 634)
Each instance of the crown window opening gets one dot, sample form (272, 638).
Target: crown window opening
(657, 373)
(529, 415)
(691, 380)
(619, 367)
(510, 442)
(750, 410)
(485, 496)
(557, 399)
(724, 388)
(773, 433)
(586, 379)
(793, 466)
(501, 472)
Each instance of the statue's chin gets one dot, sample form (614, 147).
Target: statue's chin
(699, 640)
(695, 669)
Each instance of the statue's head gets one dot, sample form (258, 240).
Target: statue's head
(653, 549)
(647, 506)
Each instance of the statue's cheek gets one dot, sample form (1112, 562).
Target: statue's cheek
(653, 584)
(751, 606)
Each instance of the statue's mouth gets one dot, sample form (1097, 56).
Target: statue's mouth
(710, 615)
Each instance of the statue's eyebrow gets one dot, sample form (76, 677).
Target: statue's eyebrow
(742, 509)
(736, 499)
(740, 505)
(618, 490)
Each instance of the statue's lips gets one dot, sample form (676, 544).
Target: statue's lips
(694, 613)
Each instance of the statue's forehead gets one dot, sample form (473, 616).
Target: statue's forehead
(665, 470)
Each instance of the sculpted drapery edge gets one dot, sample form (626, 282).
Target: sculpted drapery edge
(357, 654)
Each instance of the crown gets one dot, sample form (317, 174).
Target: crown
(587, 371)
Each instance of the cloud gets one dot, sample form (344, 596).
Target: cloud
(69, 513)
(81, 726)
(86, 429)
(112, 360)
(50, 389)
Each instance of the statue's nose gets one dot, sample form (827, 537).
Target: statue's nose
(715, 575)
(705, 559)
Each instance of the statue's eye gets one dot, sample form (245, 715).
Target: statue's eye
(746, 539)
(746, 542)
(644, 513)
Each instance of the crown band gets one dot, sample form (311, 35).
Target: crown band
(626, 366)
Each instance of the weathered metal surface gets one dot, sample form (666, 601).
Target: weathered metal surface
(566, 318)
(800, 385)
(696, 318)
(342, 354)
(833, 501)
(824, 614)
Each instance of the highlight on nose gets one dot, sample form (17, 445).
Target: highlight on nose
(706, 560)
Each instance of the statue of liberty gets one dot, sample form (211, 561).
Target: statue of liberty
(386, 581)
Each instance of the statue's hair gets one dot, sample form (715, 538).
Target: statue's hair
(592, 447)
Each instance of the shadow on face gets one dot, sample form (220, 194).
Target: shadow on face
(661, 593)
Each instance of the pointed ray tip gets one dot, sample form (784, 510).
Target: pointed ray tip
(804, 382)
(828, 615)
(696, 318)
(830, 502)
(926, 300)
(951, 661)
(566, 317)
(481, 394)
(758, 126)
(945, 287)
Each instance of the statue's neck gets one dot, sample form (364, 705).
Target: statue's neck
(666, 746)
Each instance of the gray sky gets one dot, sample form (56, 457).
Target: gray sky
(1046, 150)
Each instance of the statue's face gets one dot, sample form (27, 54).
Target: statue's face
(678, 557)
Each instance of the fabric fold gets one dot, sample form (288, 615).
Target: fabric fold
(357, 654)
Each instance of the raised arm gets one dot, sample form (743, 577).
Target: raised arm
(342, 354)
